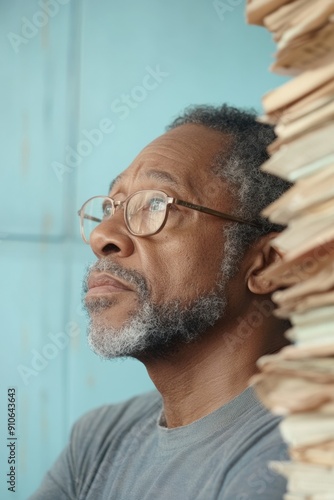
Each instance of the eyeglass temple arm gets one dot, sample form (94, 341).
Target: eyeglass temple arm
(89, 217)
(199, 208)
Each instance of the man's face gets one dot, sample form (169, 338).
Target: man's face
(175, 290)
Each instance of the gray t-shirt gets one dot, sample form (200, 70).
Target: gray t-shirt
(125, 452)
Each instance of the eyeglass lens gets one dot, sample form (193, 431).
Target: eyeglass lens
(145, 212)
(95, 211)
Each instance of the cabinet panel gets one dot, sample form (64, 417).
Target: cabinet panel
(35, 129)
(33, 357)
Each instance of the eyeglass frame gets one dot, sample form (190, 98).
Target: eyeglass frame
(170, 201)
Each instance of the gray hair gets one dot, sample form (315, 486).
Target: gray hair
(251, 188)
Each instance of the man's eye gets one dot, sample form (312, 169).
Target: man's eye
(106, 210)
(156, 205)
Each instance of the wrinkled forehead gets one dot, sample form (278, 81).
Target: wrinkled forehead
(182, 156)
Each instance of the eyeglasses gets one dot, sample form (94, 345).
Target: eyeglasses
(145, 212)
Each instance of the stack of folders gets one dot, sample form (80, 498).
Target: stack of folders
(302, 29)
(298, 382)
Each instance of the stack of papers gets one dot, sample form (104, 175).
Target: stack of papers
(313, 482)
(303, 30)
(298, 382)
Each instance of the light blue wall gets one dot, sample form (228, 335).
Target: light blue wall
(57, 81)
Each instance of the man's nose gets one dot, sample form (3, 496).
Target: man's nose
(112, 237)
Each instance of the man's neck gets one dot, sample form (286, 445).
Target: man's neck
(204, 376)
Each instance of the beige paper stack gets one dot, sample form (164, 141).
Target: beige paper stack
(298, 382)
(302, 29)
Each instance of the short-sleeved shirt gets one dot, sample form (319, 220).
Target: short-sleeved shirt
(125, 452)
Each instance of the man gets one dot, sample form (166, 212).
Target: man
(181, 249)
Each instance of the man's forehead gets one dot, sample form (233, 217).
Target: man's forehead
(191, 139)
(186, 151)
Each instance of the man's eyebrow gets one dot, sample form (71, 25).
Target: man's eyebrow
(115, 181)
(161, 175)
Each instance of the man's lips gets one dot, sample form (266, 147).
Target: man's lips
(104, 283)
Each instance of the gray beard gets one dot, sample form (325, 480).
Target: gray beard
(154, 331)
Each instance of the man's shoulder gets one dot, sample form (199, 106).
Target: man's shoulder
(108, 418)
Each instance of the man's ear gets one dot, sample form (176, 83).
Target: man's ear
(263, 256)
